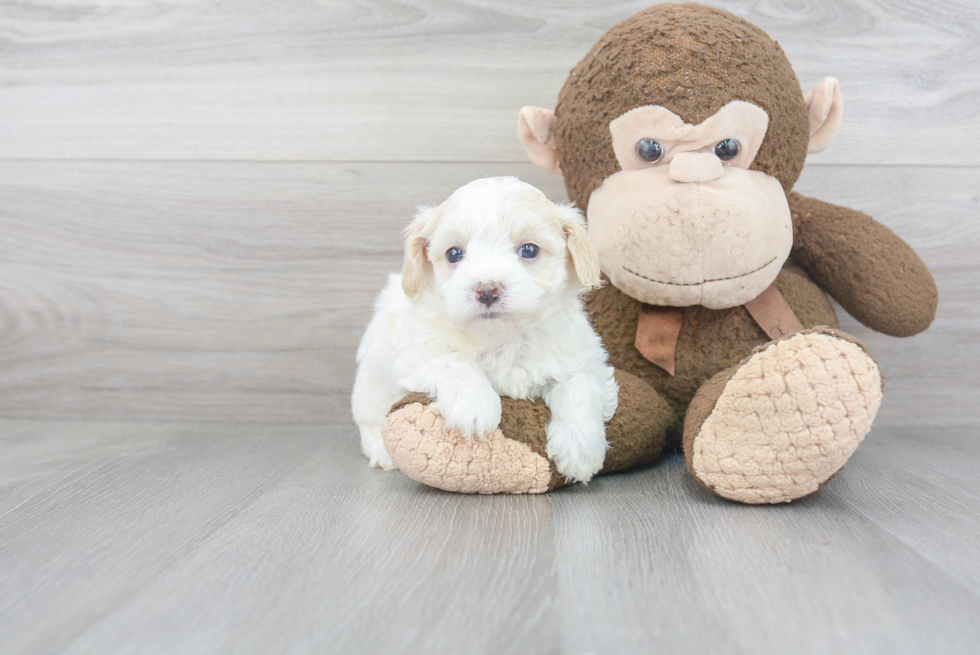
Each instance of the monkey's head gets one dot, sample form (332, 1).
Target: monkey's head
(680, 134)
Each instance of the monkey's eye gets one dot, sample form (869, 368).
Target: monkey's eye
(727, 150)
(528, 251)
(649, 151)
(454, 254)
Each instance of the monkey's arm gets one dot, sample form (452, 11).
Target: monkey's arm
(865, 266)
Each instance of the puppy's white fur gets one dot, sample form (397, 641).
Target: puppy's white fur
(431, 334)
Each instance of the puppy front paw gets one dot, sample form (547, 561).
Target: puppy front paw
(578, 451)
(472, 414)
(373, 447)
(378, 457)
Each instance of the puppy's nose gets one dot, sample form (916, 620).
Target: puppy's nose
(488, 292)
(695, 167)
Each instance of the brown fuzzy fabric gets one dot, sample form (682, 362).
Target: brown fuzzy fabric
(524, 421)
(871, 272)
(709, 341)
(637, 432)
(413, 397)
(693, 60)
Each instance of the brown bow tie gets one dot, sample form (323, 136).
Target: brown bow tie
(659, 327)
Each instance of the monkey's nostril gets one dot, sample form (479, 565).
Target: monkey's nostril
(487, 293)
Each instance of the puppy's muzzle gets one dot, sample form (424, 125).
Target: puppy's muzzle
(488, 293)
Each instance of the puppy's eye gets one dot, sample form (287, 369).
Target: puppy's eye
(649, 151)
(454, 254)
(528, 251)
(727, 150)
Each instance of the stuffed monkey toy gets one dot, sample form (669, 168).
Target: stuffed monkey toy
(681, 135)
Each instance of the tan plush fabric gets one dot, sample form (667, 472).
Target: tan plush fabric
(780, 424)
(717, 245)
(738, 120)
(513, 459)
(421, 447)
(534, 129)
(696, 167)
(825, 106)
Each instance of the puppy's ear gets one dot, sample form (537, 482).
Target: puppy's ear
(416, 269)
(585, 256)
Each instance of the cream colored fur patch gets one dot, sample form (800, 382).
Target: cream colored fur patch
(788, 419)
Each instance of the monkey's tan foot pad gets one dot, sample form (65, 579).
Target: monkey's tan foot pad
(421, 446)
(513, 459)
(780, 424)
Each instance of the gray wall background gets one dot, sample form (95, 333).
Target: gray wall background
(199, 200)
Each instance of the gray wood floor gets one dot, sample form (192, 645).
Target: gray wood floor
(195, 537)
(198, 202)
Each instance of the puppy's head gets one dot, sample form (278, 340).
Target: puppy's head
(498, 249)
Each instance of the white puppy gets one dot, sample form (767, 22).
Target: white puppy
(488, 304)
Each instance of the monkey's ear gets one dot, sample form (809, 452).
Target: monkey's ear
(536, 130)
(825, 106)
(416, 269)
(585, 256)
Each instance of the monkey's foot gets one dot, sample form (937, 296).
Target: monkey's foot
(424, 449)
(513, 458)
(780, 424)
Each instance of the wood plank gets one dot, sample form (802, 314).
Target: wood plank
(679, 570)
(238, 291)
(336, 557)
(96, 518)
(38, 458)
(432, 81)
(921, 486)
(267, 538)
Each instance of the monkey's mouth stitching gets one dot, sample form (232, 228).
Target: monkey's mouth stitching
(694, 284)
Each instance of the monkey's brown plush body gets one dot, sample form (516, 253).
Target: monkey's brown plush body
(681, 135)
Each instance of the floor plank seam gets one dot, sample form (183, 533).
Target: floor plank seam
(190, 546)
(923, 557)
